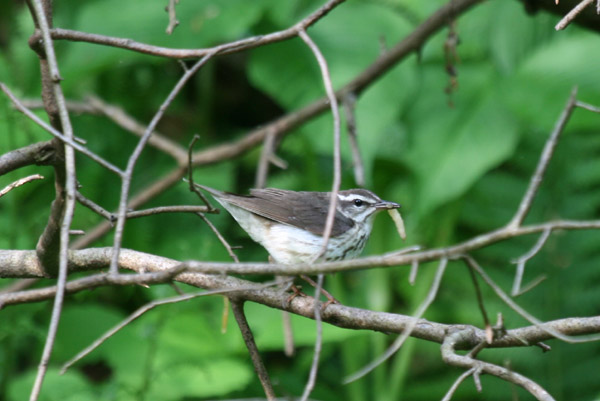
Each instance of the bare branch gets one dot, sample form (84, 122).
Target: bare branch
(457, 383)
(588, 107)
(516, 289)
(545, 157)
(127, 122)
(19, 182)
(227, 48)
(95, 105)
(265, 158)
(127, 176)
(452, 358)
(18, 286)
(238, 311)
(435, 285)
(337, 159)
(349, 101)
(173, 22)
(139, 312)
(111, 217)
(567, 19)
(70, 188)
(526, 315)
(64, 138)
(314, 367)
(486, 320)
(190, 170)
(222, 239)
(414, 269)
(72, 105)
(26, 264)
(40, 153)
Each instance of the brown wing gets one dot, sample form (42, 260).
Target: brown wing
(306, 210)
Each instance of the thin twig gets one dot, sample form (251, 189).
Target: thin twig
(64, 138)
(349, 101)
(134, 214)
(314, 367)
(140, 311)
(226, 48)
(516, 289)
(190, 171)
(265, 158)
(220, 237)
(18, 285)
(70, 186)
(238, 311)
(414, 269)
(127, 122)
(93, 206)
(337, 160)
(526, 315)
(173, 21)
(452, 358)
(457, 383)
(19, 182)
(587, 106)
(545, 157)
(486, 320)
(288, 333)
(73, 106)
(567, 19)
(435, 285)
(127, 176)
(167, 209)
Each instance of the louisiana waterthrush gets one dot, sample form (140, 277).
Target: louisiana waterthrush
(290, 225)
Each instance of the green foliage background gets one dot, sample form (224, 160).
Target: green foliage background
(458, 171)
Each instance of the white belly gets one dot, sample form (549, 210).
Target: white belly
(290, 245)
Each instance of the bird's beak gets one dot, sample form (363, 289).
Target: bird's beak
(385, 205)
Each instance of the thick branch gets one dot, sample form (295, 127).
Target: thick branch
(40, 154)
(27, 264)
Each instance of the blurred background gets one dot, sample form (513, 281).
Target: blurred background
(456, 152)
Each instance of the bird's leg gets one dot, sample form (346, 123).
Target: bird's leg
(330, 298)
(296, 291)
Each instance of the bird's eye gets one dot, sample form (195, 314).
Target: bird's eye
(358, 202)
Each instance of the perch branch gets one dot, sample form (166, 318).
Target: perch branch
(26, 264)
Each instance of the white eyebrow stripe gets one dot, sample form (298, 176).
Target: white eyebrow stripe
(352, 197)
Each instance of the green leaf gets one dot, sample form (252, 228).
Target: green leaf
(453, 151)
(71, 386)
(209, 378)
(80, 325)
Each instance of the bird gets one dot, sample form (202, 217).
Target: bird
(290, 224)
